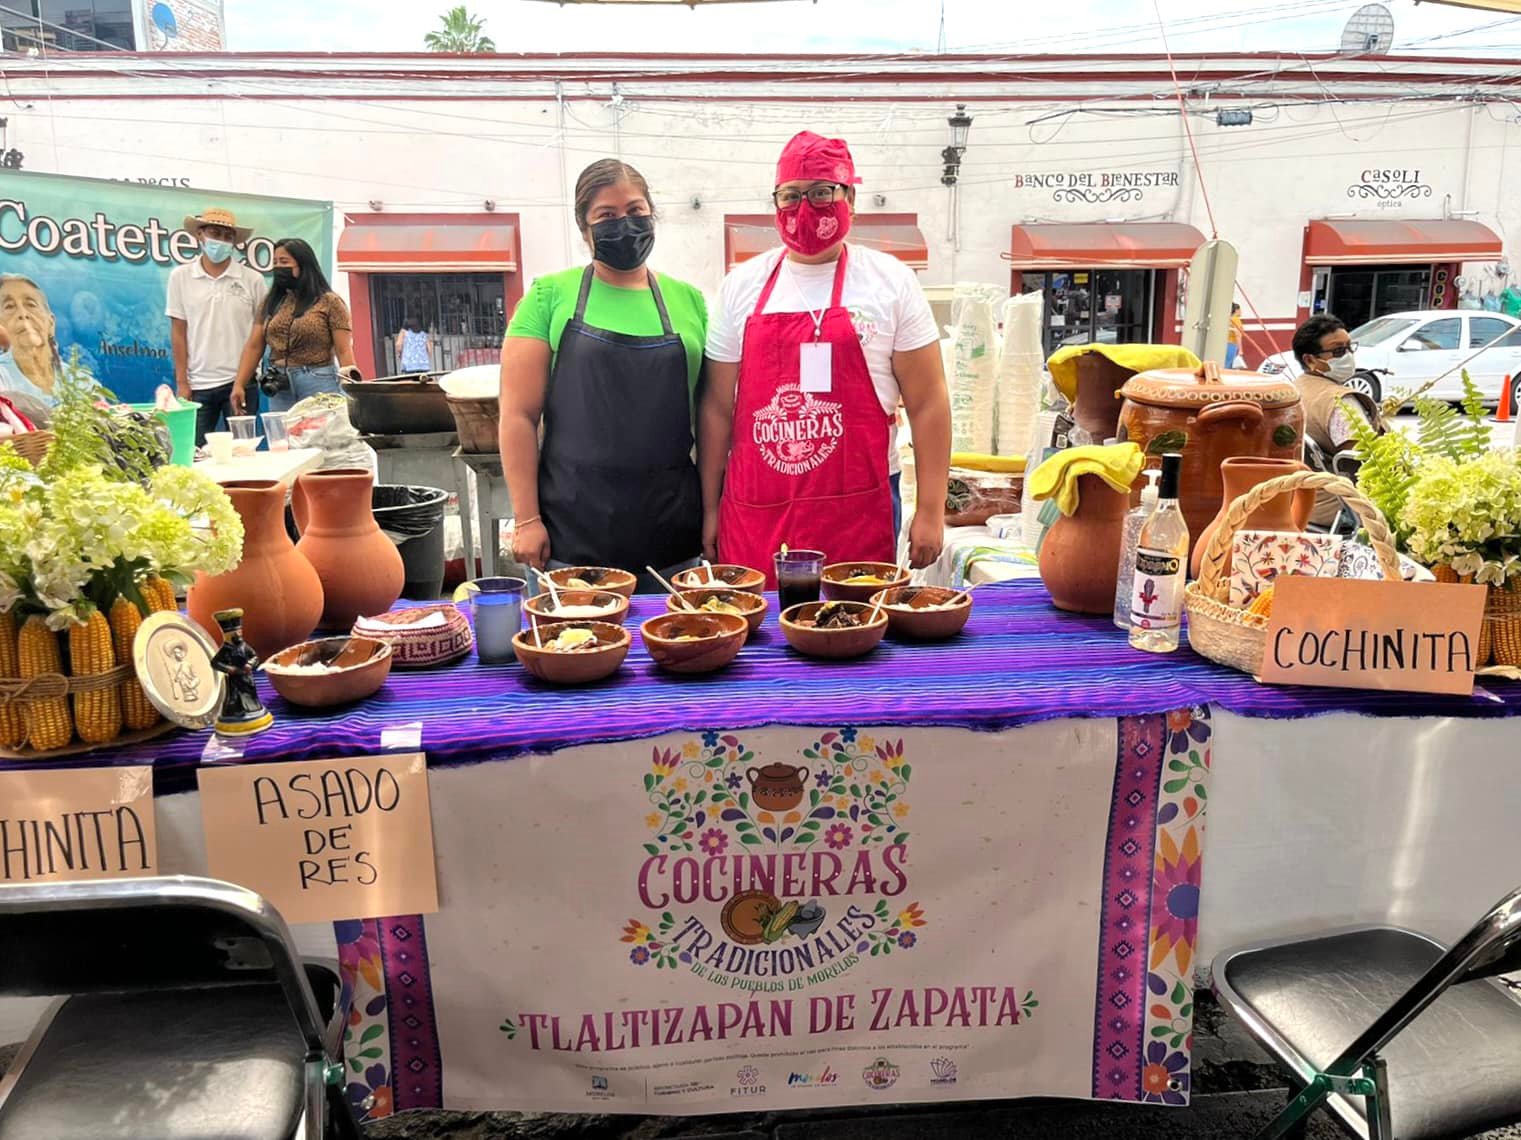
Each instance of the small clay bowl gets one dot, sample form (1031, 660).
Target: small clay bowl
(811, 641)
(578, 668)
(608, 606)
(720, 637)
(727, 574)
(904, 620)
(753, 606)
(836, 589)
(356, 668)
(598, 578)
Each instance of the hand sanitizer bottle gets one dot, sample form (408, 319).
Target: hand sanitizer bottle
(1161, 569)
(1133, 522)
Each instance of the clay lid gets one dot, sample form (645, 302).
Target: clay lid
(1180, 388)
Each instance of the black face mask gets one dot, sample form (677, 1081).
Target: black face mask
(624, 243)
(285, 276)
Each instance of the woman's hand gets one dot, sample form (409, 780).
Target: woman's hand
(530, 544)
(926, 538)
(710, 535)
(239, 398)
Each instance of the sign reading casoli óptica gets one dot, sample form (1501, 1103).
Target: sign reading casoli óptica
(1418, 637)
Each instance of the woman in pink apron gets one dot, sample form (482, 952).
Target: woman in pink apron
(809, 352)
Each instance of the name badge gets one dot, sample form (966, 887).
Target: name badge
(815, 370)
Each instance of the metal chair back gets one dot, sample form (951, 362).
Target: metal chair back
(121, 935)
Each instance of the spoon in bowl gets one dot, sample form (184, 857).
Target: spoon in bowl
(551, 586)
(674, 592)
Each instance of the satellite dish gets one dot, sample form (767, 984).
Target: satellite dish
(163, 19)
(1370, 31)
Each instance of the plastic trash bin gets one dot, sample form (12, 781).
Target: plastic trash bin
(413, 518)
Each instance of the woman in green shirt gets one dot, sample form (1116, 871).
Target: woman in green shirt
(607, 358)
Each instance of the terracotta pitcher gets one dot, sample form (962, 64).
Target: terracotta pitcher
(1080, 555)
(1239, 475)
(274, 585)
(1097, 407)
(360, 568)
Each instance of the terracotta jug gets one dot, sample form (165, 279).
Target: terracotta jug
(1097, 407)
(1239, 475)
(1080, 555)
(274, 585)
(360, 568)
(777, 787)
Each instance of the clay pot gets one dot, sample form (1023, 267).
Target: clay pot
(1208, 422)
(777, 787)
(1080, 555)
(274, 585)
(1097, 407)
(360, 568)
(1285, 513)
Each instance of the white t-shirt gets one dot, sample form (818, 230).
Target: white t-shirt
(218, 313)
(886, 305)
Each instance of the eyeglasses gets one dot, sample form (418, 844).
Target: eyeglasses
(819, 195)
(1340, 351)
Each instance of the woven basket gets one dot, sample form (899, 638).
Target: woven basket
(32, 445)
(1231, 636)
(1502, 626)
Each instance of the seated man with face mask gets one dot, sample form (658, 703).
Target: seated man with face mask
(1325, 351)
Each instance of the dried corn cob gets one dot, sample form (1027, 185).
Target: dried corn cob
(97, 713)
(137, 711)
(159, 595)
(48, 724)
(12, 729)
(1262, 603)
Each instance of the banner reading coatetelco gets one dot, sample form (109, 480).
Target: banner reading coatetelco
(84, 263)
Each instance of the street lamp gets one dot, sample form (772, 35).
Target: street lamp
(961, 126)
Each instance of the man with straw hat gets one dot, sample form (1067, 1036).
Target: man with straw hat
(211, 307)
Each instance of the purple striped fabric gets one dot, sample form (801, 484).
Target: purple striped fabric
(1020, 660)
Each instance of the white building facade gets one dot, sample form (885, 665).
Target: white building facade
(1359, 185)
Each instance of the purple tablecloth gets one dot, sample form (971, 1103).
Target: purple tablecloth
(1020, 660)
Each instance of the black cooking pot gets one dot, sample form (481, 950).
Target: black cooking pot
(398, 405)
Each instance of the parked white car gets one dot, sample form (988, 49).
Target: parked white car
(1419, 346)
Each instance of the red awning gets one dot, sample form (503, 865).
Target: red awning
(1104, 245)
(750, 235)
(381, 245)
(1380, 242)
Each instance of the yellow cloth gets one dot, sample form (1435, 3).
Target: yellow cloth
(1056, 478)
(1136, 357)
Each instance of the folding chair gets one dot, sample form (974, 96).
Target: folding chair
(188, 1016)
(1402, 1038)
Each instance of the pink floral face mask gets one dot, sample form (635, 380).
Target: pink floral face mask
(811, 229)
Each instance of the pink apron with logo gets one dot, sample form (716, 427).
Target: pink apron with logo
(805, 468)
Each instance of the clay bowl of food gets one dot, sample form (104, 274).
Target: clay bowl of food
(724, 600)
(858, 581)
(572, 652)
(594, 578)
(924, 613)
(833, 629)
(724, 574)
(694, 643)
(329, 671)
(579, 605)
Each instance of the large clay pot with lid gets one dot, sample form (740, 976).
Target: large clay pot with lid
(1080, 555)
(360, 568)
(274, 585)
(1280, 513)
(1208, 419)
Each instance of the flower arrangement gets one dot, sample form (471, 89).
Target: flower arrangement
(90, 542)
(1466, 514)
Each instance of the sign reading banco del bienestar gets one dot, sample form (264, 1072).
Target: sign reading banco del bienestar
(91, 258)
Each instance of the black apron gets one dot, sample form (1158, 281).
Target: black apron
(617, 485)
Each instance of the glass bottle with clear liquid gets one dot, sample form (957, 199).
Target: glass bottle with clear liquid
(1161, 569)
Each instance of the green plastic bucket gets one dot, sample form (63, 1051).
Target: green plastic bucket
(181, 424)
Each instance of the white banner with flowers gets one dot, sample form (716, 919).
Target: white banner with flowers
(793, 917)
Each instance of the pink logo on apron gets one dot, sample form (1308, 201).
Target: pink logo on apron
(797, 432)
